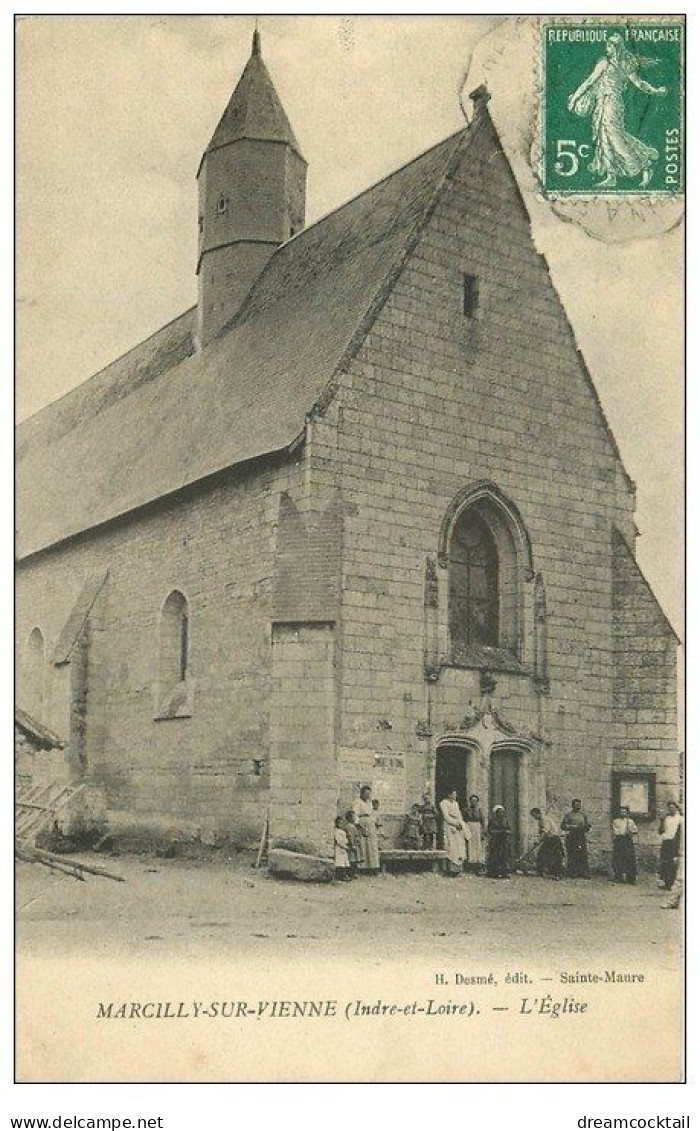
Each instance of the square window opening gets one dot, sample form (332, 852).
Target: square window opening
(470, 295)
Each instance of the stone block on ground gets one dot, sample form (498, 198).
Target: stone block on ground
(300, 866)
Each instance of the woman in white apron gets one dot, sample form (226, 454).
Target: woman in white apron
(454, 834)
(369, 838)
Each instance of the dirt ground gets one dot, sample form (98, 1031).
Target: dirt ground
(198, 907)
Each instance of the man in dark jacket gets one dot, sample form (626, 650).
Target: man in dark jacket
(576, 826)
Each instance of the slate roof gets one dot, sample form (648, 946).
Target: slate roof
(254, 110)
(163, 416)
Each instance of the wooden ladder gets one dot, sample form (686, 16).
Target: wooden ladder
(38, 805)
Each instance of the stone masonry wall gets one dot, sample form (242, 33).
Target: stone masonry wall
(205, 774)
(645, 686)
(432, 402)
(303, 789)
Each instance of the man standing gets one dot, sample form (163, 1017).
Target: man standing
(624, 855)
(550, 854)
(576, 826)
(670, 830)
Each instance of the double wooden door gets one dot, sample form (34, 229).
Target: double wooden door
(504, 789)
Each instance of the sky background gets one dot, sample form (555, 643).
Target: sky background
(114, 113)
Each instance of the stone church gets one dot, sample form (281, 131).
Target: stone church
(357, 517)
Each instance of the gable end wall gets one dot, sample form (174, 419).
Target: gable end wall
(431, 403)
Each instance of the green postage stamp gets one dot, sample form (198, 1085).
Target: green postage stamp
(612, 107)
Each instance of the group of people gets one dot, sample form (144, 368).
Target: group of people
(550, 850)
(419, 828)
(550, 858)
(473, 844)
(467, 838)
(357, 837)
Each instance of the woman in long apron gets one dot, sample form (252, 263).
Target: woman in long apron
(475, 826)
(369, 838)
(453, 833)
(498, 866)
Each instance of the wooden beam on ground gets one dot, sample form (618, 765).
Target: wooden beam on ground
(41, 856)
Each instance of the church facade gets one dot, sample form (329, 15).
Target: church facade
(356, 518)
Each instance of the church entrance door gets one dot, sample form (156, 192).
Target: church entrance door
(505, 789)
(451, 773)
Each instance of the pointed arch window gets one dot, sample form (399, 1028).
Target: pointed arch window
(485, 548)
(474, 611)
(174, 639)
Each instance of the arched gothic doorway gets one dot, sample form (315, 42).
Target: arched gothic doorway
(455, 769)
(504, 788)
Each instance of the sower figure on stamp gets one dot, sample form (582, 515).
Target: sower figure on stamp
(617, 153)
(550, 853)
(624, 853)
(576, 826)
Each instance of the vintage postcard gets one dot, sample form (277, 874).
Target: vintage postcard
(349, 720)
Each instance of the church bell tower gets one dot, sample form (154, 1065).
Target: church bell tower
(252, 195)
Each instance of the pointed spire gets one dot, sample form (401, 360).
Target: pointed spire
(254, 110)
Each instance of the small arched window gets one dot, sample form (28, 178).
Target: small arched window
(474, 587)
(174, 641)
(34, 674)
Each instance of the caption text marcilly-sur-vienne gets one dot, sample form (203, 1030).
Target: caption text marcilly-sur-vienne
(527, 996)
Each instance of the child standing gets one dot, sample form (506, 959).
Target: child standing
(353, 834)
(379, 822)
(411, 829)
(342, 859)
(428, 821)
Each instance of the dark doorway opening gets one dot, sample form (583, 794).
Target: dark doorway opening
(505, 789)
(451, 773)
